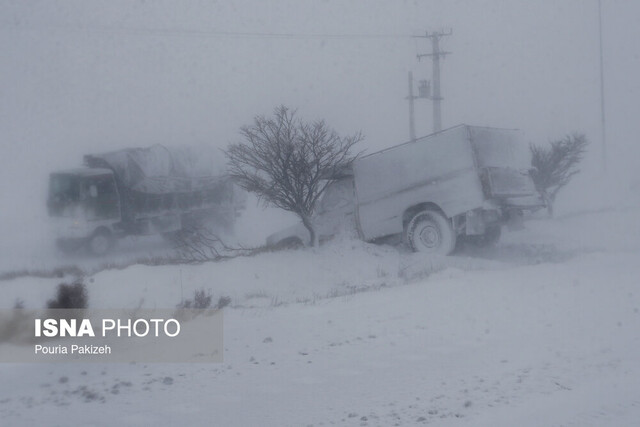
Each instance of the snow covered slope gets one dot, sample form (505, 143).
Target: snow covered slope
(542, 330)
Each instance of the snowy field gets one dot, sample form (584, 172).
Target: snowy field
(543, 330)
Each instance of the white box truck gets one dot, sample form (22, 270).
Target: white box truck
(461, 183)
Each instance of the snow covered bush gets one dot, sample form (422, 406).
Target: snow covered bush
(555, 165)
(223, 302)
(70, 296)
(202, 299)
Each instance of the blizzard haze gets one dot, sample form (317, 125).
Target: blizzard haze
(81, 77)
(541, 329)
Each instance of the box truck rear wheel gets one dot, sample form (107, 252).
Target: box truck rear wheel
(430, 232)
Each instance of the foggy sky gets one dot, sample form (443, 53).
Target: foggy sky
(80, 77)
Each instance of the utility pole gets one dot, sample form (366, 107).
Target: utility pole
(602, 115)
(435, 55)
(423, 92)
(412, 120)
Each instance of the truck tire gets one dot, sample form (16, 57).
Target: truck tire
(100, 242)
(430, 232)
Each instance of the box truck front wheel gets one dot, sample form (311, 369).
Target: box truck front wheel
(429, 231)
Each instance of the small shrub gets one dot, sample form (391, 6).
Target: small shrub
(555, 165)
(70, 296)
(223, 302)
(201, 300)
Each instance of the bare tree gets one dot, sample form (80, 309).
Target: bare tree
(555, 165)
(288, 163)
(198, 243)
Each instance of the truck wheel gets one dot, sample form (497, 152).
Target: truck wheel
(430, 232)
(100, 242)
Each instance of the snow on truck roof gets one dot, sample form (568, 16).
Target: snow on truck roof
(485, 134)
(84, 172)
(160, 169)
(437, 133)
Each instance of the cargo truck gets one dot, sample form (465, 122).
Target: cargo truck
(138, 191)
(463, 183)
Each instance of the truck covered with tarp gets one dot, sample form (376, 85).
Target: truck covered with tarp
(140, 191)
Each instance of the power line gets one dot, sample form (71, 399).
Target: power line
(178, 32)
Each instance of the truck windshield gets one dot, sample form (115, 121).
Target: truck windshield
(64, 188)
(79, 196)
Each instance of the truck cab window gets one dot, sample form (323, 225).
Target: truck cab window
(338, 195)
(64, 188)
(102, 196)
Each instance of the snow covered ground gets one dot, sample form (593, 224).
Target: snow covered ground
(542, 330)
